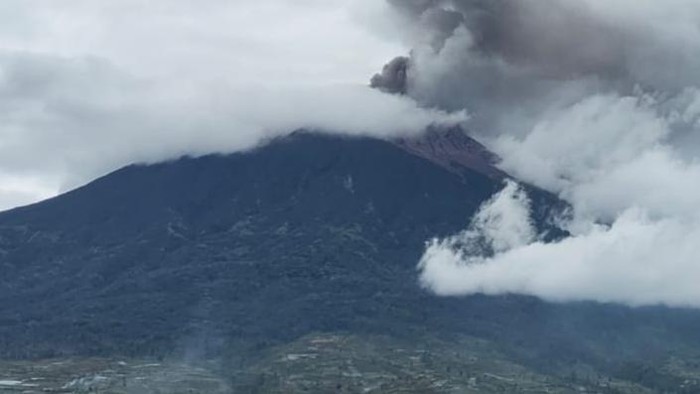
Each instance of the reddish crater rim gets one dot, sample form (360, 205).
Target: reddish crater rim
(453, 150)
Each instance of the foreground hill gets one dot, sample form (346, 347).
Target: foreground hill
(233, 256)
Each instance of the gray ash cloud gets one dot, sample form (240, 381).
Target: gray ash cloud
(597, 101)
(394, 76)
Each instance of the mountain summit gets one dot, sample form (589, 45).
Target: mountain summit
(454, 150)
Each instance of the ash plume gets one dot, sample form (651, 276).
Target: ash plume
(393, 78)
(596, 101)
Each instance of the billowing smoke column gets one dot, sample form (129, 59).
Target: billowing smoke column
(393, 78)
(597, 101)
(528, 55)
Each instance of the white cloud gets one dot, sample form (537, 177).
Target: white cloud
(87, 87)
(636, 261)
(615, 133)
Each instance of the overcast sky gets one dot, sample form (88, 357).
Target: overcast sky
(89, 86)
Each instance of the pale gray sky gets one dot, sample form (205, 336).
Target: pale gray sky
(88, 86)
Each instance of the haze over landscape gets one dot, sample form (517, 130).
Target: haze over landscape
(324, 182)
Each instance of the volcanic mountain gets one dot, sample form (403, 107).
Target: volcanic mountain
(310, 233)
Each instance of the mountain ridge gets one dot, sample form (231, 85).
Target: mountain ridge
(454, 150)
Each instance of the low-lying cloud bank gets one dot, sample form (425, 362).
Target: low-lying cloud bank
(635, 260)
(68, 120)
(597, 101)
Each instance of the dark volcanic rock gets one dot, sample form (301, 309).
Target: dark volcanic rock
(453, 150)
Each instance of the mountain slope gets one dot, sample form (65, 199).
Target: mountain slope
(152, 250)
(310, 233)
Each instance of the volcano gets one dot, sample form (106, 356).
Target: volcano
(307, 234)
